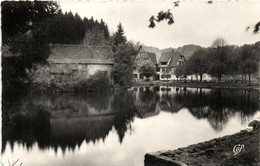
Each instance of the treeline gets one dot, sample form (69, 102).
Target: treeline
(222, 60)
(71, 29)
(29, 27)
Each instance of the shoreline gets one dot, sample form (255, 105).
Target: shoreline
(52, 88)
(202, 85)
(240, 149)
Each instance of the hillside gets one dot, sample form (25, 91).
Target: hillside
(155, 50)
(188, 50)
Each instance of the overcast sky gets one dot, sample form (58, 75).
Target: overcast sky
(195, 22)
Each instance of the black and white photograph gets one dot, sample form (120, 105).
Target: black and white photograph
(130, 83)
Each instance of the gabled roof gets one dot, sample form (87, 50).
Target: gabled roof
(175, 59)
(172, 57)
(165, 57)
(81, 54)
(152, 57)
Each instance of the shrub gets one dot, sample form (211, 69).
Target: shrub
(97, 81)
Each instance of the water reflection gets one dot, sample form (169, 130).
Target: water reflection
(66, 121)
(217, 106)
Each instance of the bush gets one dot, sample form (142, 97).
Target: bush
(148, 70)
(96, 82)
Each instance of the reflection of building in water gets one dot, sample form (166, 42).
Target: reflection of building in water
(72, 105)
(145, 101)
(61, 120)
(67, 120)
(166, 102)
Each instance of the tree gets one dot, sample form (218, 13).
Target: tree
(218, 59)
(124, 58)
(181, 71)
(197, 64)
(160, 17)
(219, 43)
(20, 17)
(148, 70)
(119, 37)
(167, 15)
(104, 28)
(124, 64)
(20, 34)
(249, 61)
(95, 37)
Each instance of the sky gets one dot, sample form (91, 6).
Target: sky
(196, 22)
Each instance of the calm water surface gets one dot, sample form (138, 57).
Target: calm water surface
(118, 128)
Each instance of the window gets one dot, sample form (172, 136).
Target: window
(163, 63)
(135, 75)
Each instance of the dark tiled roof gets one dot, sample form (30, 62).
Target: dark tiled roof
(175, 59)
(152, 57)
(81, 54)
(173, 56)
(165, 57)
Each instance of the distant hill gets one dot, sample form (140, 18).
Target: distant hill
(257, 44)
(168, 49)
(155, 50)
(188, 50)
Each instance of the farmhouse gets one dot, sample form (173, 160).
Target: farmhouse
(142, 58)
(167, 64)
(75, 63)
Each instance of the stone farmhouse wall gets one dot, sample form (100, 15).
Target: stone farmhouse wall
(70, 74)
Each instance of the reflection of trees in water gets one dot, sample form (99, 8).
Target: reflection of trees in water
(61, 133)
(99, 101)
(147, 94)
(219, 105)
(167, 103)
(66, 120)
(125, 112)
(63, 105)
(250, 104)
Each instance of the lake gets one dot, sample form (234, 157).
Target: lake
(116, 129)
